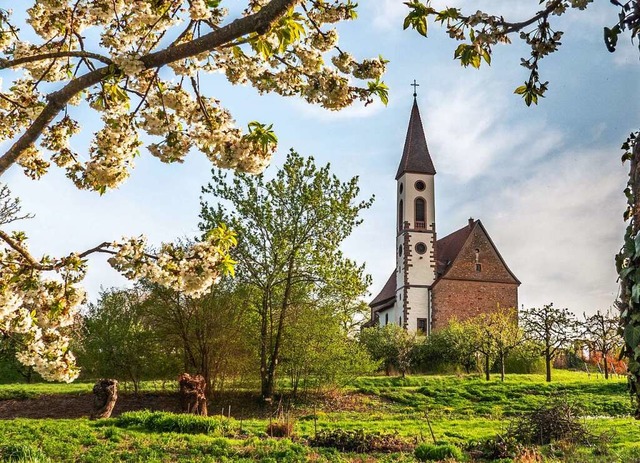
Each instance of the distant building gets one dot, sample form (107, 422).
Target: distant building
(459, 276)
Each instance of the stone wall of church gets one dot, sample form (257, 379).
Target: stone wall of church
(464, 299)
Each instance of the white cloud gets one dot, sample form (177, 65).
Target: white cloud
(468, 127)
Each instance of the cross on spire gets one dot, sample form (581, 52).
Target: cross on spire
(415, 86)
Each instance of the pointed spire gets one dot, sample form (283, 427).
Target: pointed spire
(415, 157)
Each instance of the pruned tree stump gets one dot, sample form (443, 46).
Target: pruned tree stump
(105, 395)
(192, 394)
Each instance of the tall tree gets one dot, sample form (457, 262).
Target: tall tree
(600, 332)
(137, 66)
(291, 229)
(479, 32)
(553, 328)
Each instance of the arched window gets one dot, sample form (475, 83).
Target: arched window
(420, 213)
(400, 217)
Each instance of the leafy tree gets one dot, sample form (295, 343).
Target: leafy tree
(451, 345)
(391, 345)
(553, 328)
(119, 340)
(600, 332)
(144, 75)
(480, 31)
(210, 334)
(317, 350)
(291, 227)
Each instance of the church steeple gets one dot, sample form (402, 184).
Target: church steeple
(415, 157)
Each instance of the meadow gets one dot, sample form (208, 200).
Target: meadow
(463, 411)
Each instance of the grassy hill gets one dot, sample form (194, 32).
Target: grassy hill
(463, 411)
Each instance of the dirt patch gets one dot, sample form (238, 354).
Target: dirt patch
(242, 405)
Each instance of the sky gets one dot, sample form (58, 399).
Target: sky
(546, 181)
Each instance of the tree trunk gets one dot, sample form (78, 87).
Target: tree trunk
(268, 388)
(105, 395)
(264, 332)
(606, 367)
(192, 394)
(487, 373)
(502, 367)
(547, 361)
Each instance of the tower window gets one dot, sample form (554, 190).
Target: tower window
(420, 185)
(386, 319)
(400, 320)
(422, 325)
(421, 248)
(401, 188)
(478, 267)
(400, 250)
(400, 216)
(420, 213)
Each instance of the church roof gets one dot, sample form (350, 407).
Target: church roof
(415, 156)
(388, 291)
(447, 250)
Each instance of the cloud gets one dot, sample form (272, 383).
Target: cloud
(356, 111)
(469, 128)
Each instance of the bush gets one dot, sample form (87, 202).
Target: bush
(358, 441)
(280, 429)
(555, 420)
(525, 359)
(431, 452)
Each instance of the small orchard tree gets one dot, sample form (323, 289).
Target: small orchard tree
(554, 329)
(292, 228)
(600, 332)
(139, 68)
(495, 335)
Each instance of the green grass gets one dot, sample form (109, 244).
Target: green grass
(462, 410)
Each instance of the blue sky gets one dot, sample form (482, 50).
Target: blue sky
(546, 181)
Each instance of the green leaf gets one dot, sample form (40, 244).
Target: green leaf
(632, 335)
(635, 293)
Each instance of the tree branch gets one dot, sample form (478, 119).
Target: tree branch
(5, 63)
(259, 23)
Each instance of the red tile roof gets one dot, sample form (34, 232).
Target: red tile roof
(447, 249)
(415, 156)
(388, 291)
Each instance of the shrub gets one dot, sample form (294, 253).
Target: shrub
(525, 359)
(431, 452)
(555, 420)
(280, 429)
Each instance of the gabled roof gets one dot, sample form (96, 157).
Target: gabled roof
(447, 251)
(448, 248)
(387, 292)
(415, 157)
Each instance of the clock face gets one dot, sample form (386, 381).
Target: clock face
(421, 248)
(420, 185)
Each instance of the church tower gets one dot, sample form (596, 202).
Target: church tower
(415, 229)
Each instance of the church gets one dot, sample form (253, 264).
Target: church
(436, 279)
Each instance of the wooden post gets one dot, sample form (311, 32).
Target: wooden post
(105, 395)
